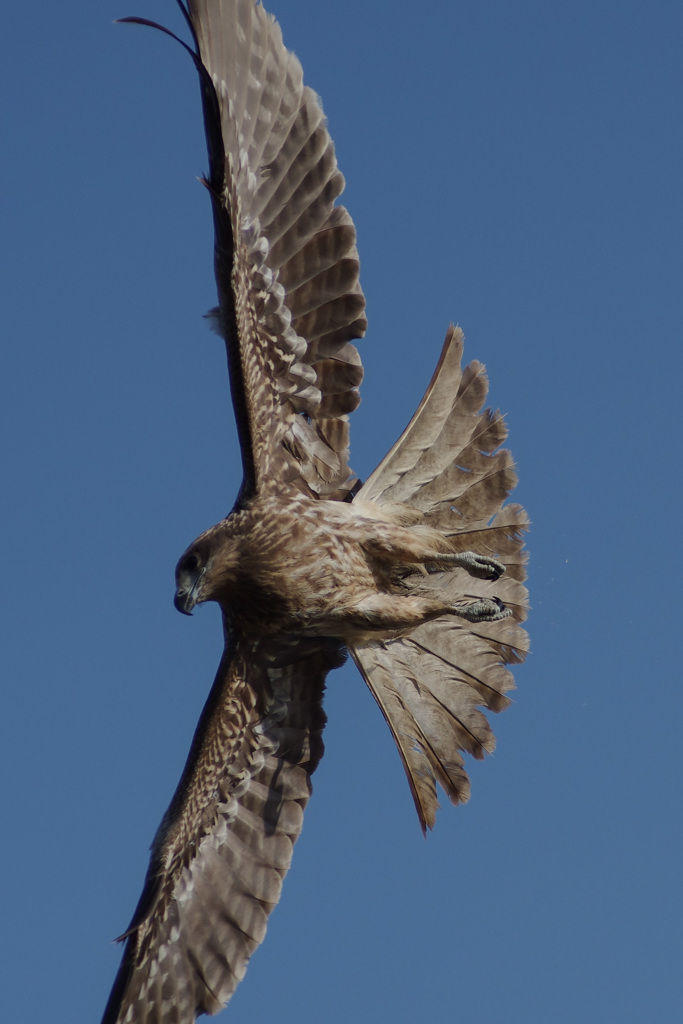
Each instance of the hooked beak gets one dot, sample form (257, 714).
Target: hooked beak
(184, 599)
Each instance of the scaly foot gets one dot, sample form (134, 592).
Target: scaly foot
(488, 609)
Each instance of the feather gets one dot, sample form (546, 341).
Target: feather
(286, 261)
(430, 682)
(225, 843)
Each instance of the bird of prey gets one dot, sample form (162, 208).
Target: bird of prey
(417, 573)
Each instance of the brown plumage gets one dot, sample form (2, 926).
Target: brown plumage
(418, 573)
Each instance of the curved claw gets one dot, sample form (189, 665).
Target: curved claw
(481, 566)
(488, 609)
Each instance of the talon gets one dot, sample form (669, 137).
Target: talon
(488, 609)
(480, 566)
(483, 567)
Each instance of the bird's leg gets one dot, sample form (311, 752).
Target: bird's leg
(388, 611)
(392, 612)
(423, 545)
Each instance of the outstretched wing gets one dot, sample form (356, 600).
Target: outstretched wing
(226, 841)
(432, 682)
(285, 258)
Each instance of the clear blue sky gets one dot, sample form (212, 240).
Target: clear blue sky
(516, 168)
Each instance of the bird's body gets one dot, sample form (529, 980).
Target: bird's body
(417, 574)
(311, 567)
(297, 565)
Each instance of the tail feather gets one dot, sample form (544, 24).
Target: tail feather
(432, 682)
(442, 447)
(421, 749)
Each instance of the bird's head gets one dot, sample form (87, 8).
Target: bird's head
(205, 570)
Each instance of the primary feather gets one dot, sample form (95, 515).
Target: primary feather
(225, 843)
(286, 259)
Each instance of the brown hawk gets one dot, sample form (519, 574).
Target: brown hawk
(417, 573)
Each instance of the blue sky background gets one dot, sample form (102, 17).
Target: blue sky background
(516, 168)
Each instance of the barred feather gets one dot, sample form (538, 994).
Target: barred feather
(286, 259)
(225, 844)
(430, 682)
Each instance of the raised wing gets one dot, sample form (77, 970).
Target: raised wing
(431, 683)
(285, 258)
(225, 843)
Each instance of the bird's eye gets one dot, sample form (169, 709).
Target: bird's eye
(191, 563)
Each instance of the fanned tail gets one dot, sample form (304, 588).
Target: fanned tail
(431, 682)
